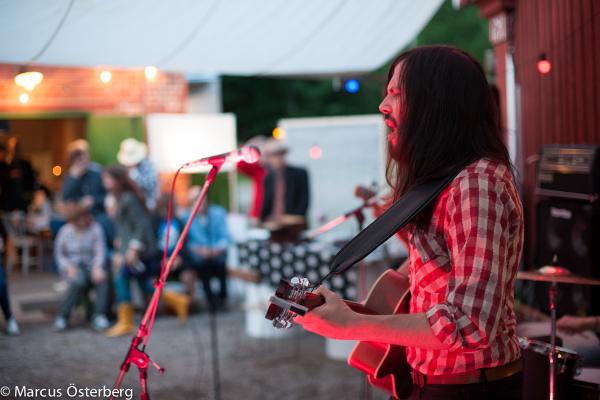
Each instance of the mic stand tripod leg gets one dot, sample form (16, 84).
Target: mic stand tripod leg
(141, 360)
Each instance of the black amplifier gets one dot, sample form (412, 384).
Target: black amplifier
(569, 171)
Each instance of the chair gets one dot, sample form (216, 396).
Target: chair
(23, 248)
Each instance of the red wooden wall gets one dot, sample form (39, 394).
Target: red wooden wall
(562, 106)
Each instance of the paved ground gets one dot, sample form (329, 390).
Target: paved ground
(291, 368)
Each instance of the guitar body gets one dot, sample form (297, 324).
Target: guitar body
(385, 364)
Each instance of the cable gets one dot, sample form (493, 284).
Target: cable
(305, 42)
(188, 39)
(56, 31)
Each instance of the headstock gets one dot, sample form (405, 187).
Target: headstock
(291, 298)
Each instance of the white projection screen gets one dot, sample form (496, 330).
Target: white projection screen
(352, 152)
(174, 139)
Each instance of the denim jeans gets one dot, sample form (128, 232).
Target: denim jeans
(79, 287)
(4, 301)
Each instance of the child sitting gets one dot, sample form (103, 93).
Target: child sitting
(80, 252)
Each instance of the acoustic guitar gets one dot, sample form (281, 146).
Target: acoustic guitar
(384, 364)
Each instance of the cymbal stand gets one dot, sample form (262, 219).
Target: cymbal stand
(552, 297)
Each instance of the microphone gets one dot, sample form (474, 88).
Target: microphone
(249, 154)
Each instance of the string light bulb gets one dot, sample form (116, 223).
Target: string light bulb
(279, 133)
(151, 72)
(24, 98)
(105, 76)
(544, 65)
(28, 80)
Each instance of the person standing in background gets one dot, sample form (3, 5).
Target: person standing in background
(257, 173)
(134, 156)
(286, 195)
(12, 328)
(18, 178)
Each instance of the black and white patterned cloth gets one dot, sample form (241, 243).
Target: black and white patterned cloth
(275, 261)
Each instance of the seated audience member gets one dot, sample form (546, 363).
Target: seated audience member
(12, 328)
(80, 253)
(39, 213)
(178, 302)
(82, 185)
(206, 248)
(135, 248)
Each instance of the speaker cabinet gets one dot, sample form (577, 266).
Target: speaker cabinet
(569, 230)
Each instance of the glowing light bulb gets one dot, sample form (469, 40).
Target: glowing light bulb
(352, 86)
(57, 170)
(543, 65)
(29, 80)
(105, 76)
(315, 152)
(279, 133)
(24, 98)
(150, 72)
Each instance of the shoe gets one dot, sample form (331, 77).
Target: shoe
(60, 324)
(124, 325)
(100, 323)
(179, 303)
(12, 327)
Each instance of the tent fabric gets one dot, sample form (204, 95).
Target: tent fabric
(238, 37)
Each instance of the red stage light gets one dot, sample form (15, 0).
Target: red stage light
(315, 152)
(543, 65)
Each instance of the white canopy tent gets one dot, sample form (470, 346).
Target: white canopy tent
(239, 37)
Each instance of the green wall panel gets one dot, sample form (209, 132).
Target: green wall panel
(105, 133)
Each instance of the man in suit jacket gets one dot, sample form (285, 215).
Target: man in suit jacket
(286, 190)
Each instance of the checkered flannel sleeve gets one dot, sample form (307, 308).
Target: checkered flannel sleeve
(476, 228)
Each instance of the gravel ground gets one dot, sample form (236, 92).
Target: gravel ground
(291, 368)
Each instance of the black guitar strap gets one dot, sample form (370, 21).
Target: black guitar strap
(395, 218)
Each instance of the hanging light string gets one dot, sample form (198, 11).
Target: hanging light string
(548, 51)
(188, 39)
(307, 39)
(56, 31)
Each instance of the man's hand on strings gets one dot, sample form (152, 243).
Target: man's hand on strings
(334, 319)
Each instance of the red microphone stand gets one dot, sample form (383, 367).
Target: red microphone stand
(136, 354)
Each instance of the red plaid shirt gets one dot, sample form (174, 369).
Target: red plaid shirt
(462, 272)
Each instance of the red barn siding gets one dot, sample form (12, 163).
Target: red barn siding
(564, 105)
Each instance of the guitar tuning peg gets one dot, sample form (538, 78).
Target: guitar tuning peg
(300, 282)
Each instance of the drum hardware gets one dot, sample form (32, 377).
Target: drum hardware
(554, 274)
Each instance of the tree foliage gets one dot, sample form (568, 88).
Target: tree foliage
(259, 102)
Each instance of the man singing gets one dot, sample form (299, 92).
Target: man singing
(464, 249)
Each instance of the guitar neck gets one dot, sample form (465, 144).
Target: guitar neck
(312, 300)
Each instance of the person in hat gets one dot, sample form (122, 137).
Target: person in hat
(80, 253)
(133, 155)
(286, 190)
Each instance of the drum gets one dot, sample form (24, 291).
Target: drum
(536, 369)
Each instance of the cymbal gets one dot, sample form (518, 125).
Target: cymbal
(550, 273)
